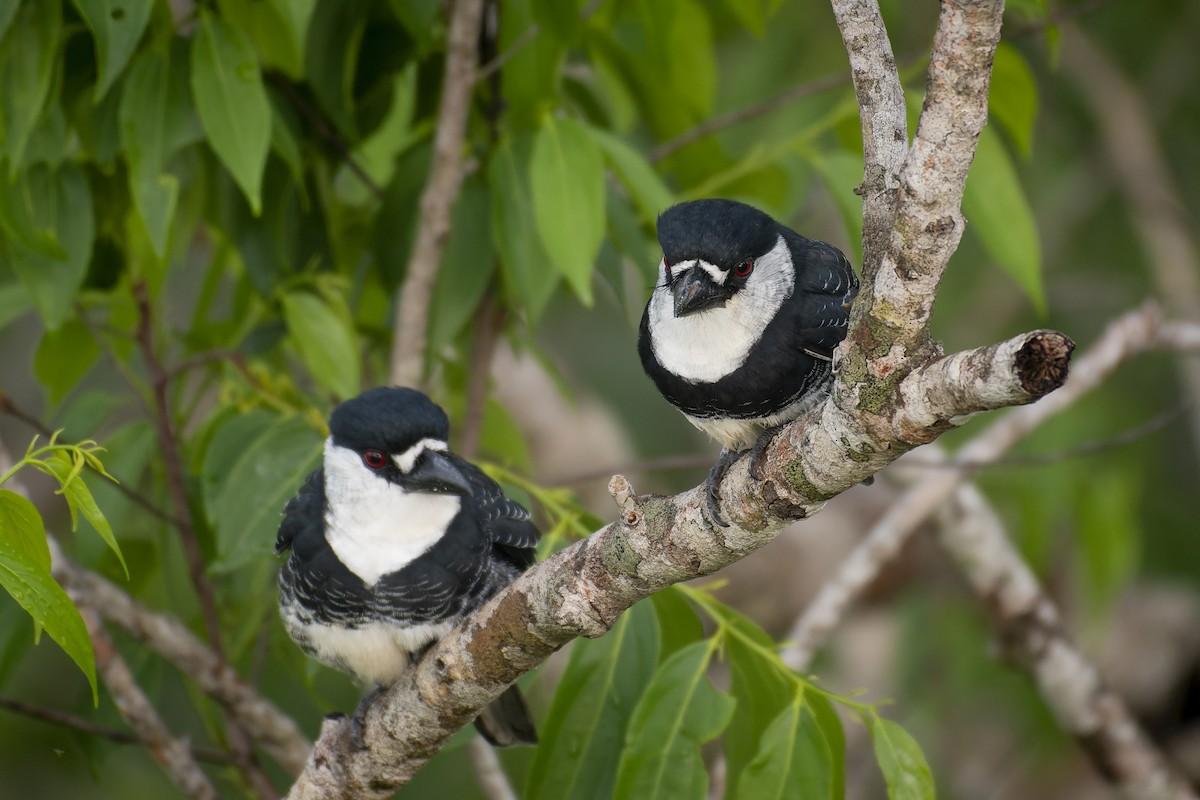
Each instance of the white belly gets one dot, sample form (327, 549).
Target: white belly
(375, 653)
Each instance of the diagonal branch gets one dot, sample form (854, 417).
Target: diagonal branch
(1034, 635)
(173, 754)
(437, 199)
(581, 591)
(881, 108)
(172, 640)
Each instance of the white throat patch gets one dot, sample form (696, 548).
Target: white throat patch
(373, 525)
(708, 345)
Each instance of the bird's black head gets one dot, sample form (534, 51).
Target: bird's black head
(399, 434)
(710, 248)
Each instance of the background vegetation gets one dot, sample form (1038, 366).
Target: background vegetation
(206, 214)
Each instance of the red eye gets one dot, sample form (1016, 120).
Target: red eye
(374, 459)
(666, 264)
(744, 268)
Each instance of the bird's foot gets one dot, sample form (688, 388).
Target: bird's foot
(759, 449)
(356, 722)
(711, 484)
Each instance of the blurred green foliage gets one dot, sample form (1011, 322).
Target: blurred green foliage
(237, 183)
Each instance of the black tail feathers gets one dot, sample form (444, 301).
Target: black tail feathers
(506, 721)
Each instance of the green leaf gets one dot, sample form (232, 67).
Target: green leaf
(759, 687)
(80, 500)
(377, 154)
(1013, 96)
(116, 25)
(841, 172)
(646, 188)
(529, 82)
(421, 20)
(525, 267)
(63, 357)
(900, 758)
(677, 620)
(752, 14)
(558, 18)
(232, 103)
(835, 737)
(679, 711)
(582, 737)
(334, 43)
(793, 760)
(466, 270)
(296, 15)
(8, 10)
(156, 119)
(248, 502)
(326, 342)
(25, 574)
(28, 54)
(1110, 534)
(995, 206)
(14, 301)
(566, 174)
(61, 201)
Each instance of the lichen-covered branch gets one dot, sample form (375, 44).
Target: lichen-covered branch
(881, 109)
(579, 591)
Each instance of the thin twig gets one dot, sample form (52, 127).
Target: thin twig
(739, 115)
(1145, 180)
(521, 42)
(11, 409)
(437, 200)
(488, 324)
(173, 754)
(324, 129)
(1132, 334)
(64, 719)
(489, 772)
(1153, 425)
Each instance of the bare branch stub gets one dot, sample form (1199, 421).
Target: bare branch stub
(1042, 364)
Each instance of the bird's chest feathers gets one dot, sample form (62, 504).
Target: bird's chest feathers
(706, 346)
(380, 529)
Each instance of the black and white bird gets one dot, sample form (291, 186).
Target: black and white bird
(393, 541)
(741, 326)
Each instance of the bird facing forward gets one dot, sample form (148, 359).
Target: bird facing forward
(393, 541)
(740, 329)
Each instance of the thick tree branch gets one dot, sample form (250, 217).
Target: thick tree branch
(437, 199)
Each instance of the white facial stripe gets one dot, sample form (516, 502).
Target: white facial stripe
(373, 525)
(406, 460)
(706, 346)
(717, 274)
